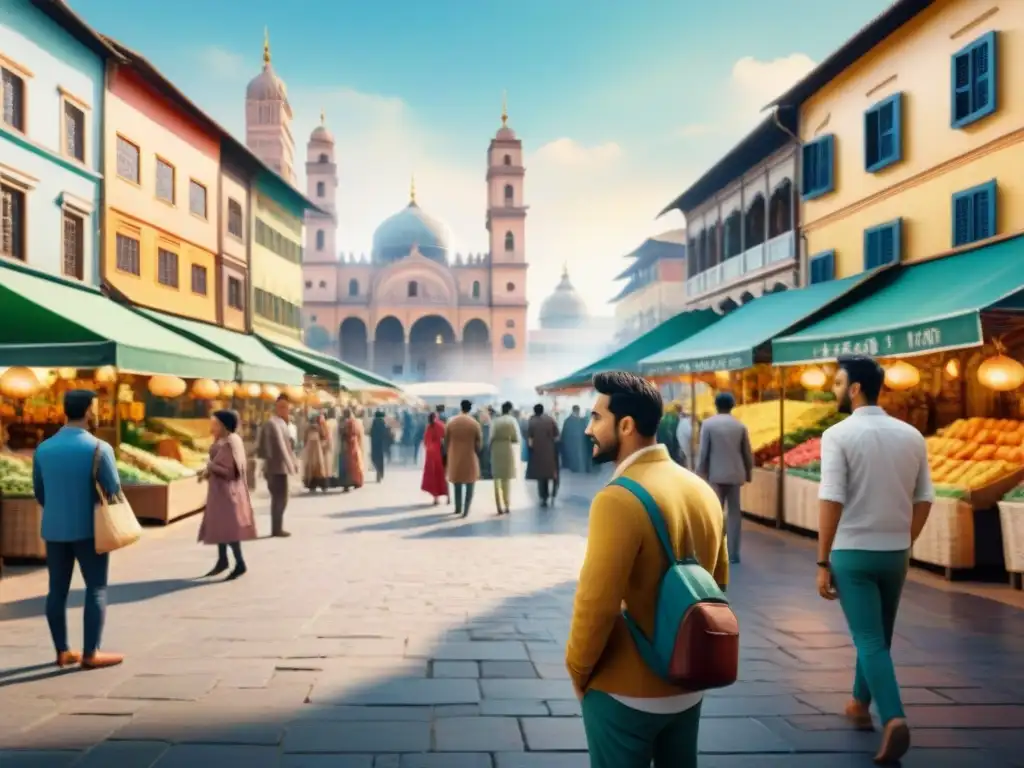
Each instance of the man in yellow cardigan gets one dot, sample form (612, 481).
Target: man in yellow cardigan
(631, 715)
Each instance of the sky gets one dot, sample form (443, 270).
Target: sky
(620, 106)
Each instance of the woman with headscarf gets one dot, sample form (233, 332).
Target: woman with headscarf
(380, 442)
(228, 518)
(435, 481)
(350, 452)
(315, 451)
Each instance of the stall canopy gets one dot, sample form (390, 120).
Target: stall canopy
(47, 322)
(741, 338)
(682, 326)
(315, 364)
(255, 362)
(920, 308)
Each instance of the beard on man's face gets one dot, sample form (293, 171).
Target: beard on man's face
(604, 454)
(845, 404)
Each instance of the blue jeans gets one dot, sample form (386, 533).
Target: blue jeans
(463, 497)
(60, 562)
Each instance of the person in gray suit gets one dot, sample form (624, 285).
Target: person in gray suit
(279, 463)
(725, 460)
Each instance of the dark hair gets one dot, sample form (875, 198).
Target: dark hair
(228, 418)
(77, 402)
(347, 413)
(724, 402)
(284, 397)
(506, 408)
(431, 418)
(633, 396)
(864, 370)
(466, 406)
(538, 409)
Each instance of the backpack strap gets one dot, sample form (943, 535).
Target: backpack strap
(653, 512)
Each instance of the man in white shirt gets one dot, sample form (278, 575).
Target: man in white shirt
(875, 495)
(684, 436)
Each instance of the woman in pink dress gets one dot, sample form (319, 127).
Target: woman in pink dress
(434, 481)
(351, 452)
(228, 518)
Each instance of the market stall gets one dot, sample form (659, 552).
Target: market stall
(951, 351)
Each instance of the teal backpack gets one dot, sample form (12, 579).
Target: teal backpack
(696, 640)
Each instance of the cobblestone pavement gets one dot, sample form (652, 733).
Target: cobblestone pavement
(385, 634)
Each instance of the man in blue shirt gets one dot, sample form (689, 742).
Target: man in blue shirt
(64, 480)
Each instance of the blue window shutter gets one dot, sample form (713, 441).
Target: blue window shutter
(982, 75)
(897, 128)
(886, 245)
(871, 152)
(961, 86)
(973, 81)
(982, 211)
(962, 219)
(871, 247)
(897, 241)
(826, 175)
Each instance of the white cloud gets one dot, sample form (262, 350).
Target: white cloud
(221, 63)
(566, 152)
(693, 130)
(755, 83)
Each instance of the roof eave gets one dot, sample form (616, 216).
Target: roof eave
(61, 13)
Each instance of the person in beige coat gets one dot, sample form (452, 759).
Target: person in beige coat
(463, 440)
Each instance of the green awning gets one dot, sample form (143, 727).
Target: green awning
(315, 364)
(48, 322)
(627, 358)
(255, 362)
(735, 341)
(920, 308)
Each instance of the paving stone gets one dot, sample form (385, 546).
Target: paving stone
(477, 734)
(448, 760)
(480, 651)
(552, 671)
(754, 706)
(984, 716)
(328, 761)
(192, 755)
(424, 692)
(62, 732)
(457, 710)
(975, 696)
(466, 669)
(362, 714)
(541, 690)
(103, 706)
(513, 708)
(564, 707)
(122, 754)
(37, 759)
(734, 735)
(167, 687)
(550, 734)
(522, 670)
(358, 737)
(543, 760)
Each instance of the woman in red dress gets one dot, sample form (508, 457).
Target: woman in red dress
(434, 481)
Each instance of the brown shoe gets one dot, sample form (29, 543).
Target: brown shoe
(859, 715)
(68, 658)
(895, 742)
(281, 535)
(100, 660)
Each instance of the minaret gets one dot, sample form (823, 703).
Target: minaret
(322, 189)
(268, 118)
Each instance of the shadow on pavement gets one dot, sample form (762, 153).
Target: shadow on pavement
(131, 592)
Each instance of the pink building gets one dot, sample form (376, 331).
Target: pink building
(268, 119)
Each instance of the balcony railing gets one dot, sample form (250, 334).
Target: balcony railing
(778, 250)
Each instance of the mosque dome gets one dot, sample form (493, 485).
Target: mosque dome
(321, 133)
(411, 226)
(266, 86)
(564, 308)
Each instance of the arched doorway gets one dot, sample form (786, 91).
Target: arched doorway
(431, 349)
(780, 208)
(389, 347)
(354, 342)
(476, 350)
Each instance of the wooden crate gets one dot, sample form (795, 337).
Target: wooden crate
(20, 529)
(166, 503)
(948, 537)
(1011, 519)
(760, 497)
(800, 503)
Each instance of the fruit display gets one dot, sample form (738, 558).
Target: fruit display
(809, 423)
(762, 419)
(974, 453)
(191, 433)
(15, 475)
(802, 455)
(1017, 494)
(131, 475)
(810, 472)
(164, 468)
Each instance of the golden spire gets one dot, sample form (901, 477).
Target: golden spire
(266, 47)
(565, 269)
(323, 117)
(504, 108)
(412, 190)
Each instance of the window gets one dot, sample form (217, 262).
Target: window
(324, 158)
(509, 195)
(270, 238)
(823, 267)
(507, 160)
(476, 289)
(883, 139)
(199, 280)
(127, 160)
(322, 284)
(235, 293)
(197, 198)
(319, 239)
(235, 225)
(164, 180)
(818, 177)
(973, 86)
(882, 244)
(74, 132)
(413, 290)
(353, 287)
(74, 242)
(508, 341)
(12, 222)
(14, 99)
(974, 214)
(167, 268)
(510, 287)
(510, 323)
(320, 189)
(128, 255)
(510, 242)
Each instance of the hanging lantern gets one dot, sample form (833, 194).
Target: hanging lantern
(1001, 373)
(248, 391)
(67, 374)
(313, 398)
(296, 394)
(167, 386)
(901, 376)
(813, 378)
(205, 389)
(953, 369)
(106, 375)
(227, 389)
(19, 383)
(270, 392)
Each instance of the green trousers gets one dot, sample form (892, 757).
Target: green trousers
(622, 737)
(870, 584)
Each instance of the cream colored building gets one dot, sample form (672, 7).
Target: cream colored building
(655, 287)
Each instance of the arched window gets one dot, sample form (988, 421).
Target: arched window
(508, 341)
(508, 160)
(324, 158)
(476, 289)
(323, 284)
(353, 287)
(319, 239)
(320, 189)
(510, 287)
(510, 242)
(509, 194)
(510, 323)
(414, 289)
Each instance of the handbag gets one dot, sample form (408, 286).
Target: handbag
(115, 525)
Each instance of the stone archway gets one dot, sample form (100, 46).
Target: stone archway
(353, 342)
(389, 347)
(477, 356)
(431, 349)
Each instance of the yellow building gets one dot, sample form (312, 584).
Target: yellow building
(913, 137)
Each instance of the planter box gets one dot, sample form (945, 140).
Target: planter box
(760, 497)
(20, 529)
(165, 503)
(800, 503)
(1011, 518)
(948, 537)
